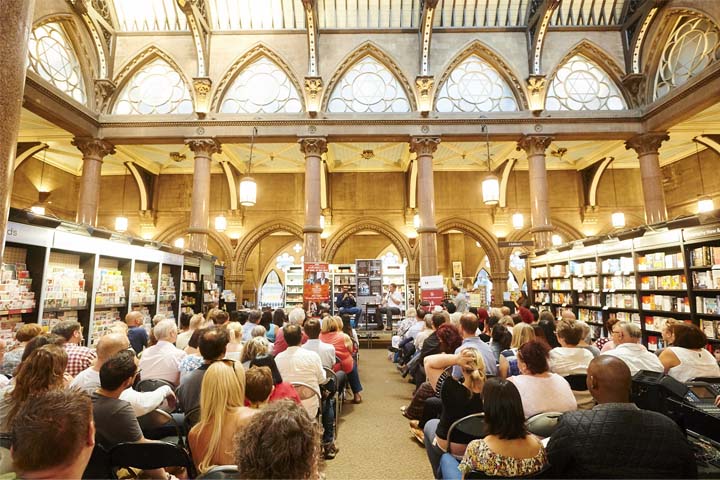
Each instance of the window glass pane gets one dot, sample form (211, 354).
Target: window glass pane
(689, 50)
(262, 87)
(155, 89)
(53, 58)
(475, 86)
(368, 87)
(581, 85)
(149, 15)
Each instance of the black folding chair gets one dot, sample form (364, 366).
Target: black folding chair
(192, 417)
(578, 382)
(152, 384)
(99, 465)
(543, 424)
(150, 456)
(461, 432)
(331, 387)
(158, 421)
(220, 472)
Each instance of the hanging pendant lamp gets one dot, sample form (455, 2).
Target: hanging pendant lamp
(248, 187)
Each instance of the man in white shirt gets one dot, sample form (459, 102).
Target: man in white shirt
(299, 365)
(392, 304)
(161, 361)
(628, 348)
(89, 379)
(325, 350)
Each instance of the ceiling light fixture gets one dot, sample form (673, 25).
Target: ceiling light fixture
(705, 203)
(121, 222)
(248, 187)
(490, 185)
(557, 240)
(38, 208)
(416, 221)
(180, 242)
(618, 217)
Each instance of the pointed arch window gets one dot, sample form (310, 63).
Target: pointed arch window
(580, 84)
(368, 87)
(53, 58)
(157, 88)
(262, 87)
(475, 86)
(692, 46)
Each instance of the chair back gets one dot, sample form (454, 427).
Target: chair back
(539, 474)
(578, 382)
(99, 465)
(331, 386)
(306, 392)
(152, 384)
(470, 427)
(543, 424)
(705, 379)
(192, 417)
(221, 471)
(148, 456)
(157, 419)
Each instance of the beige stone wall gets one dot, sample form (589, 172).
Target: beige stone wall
(64, 187)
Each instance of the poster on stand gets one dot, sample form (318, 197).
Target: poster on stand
(316, 288)
(432, 290)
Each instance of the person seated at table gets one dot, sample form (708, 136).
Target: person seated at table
(346, 303)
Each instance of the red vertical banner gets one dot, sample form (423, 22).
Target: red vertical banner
(316, 289)
(432, 289)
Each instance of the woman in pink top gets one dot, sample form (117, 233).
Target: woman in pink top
(332, 334)
(540, 390)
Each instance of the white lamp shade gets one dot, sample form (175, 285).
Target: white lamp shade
(618, 219)
(38, 209)
(220, 223)
(322, 221)
(416, 221)
(121, 224)
(557, 240)
(180, 243)
(491, 190)
(518, 221)
(248, 192)
(705, 204)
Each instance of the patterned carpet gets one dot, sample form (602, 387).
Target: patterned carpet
(374, 438)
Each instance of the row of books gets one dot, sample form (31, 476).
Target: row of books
(707, 279)
(539, 272)
(661, 260)
(708, 305)
(664, 282)
(611, 266)
(585, 283)
(8, 326)
(540, 284)
(668, 303)
(619, 282)
(562, 297)
(590, 316)
(710, 327)
(583, 268)
(621, 300)
(656, 324)
(190, 276)
(561, 284)
(589, 299)
(705, 256)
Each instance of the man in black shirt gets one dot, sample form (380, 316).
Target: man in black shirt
(616, 439)
(345, 302)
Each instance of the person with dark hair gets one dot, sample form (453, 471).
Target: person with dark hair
(687, 358)
(541, 391)
(279, 318)
(548, 328)
(41, 341)
(460, 300)
(266, 320)
(281, 441)
(299, 365)
(346, 303)
(507, 450)
(258, 386)
(605, 344)
(12, 358)
(220, 318)
(314, 344)
(588, 443)
(281, 390)
(242, 316)
(501, 338)
(252, 321)
(212, 343)
(41, 372)
(570, 359)
(53, 436)
(79, 357)
(430, 346)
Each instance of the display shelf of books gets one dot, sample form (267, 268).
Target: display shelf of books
(143, 282)
(191, 288)
(342, 275)
(394, 273)
(294, 286)
(16, 299)
(68, 279)
(102, 323)
(210, 292)
(169, 290)
(111, 289)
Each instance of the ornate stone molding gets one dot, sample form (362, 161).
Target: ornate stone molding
(534, 144)
(250, 241)
(487, 240)
(634, 84)
(313, 145)
(425, 89)
(104, 90)
(255, 52)
(478, 48)
(590, 215)
(424, 145)
(313, 94)
(647, 143)
(369, 48)
(202, 87)
(379, 226)
(93, 148)
(204, 147)
(536, 84)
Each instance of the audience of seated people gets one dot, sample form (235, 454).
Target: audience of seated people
(80, 357)
(507, 364)
(627, 347)
(213, 343)
(687, 358)
(161, 361)
(570, 359)
(332, 333)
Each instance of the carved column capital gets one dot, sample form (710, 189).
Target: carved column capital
(313, 94)
(536, 84)
(634, 83)
(104, 89)
(94, 148)
(204, 147)
(313, 146)
(202, 87)
(646, 143)
(534, 144)
(424, 145)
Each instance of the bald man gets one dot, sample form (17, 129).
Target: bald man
(616, 439)
(89, 379)
(137, 333)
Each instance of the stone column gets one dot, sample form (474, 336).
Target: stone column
(14, 33)
(647, 145)
(235, 283)
(203, 148)
(424, 147)
(535, 146)
(313, 148)
(499, 281)
(93, 151)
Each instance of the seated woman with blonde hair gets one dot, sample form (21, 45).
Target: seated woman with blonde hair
(222, 414)
(508, 365)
